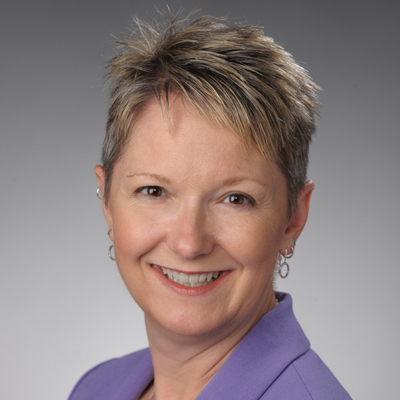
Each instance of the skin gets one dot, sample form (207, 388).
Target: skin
(178, 201)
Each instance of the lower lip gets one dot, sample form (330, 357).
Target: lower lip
(189, 291)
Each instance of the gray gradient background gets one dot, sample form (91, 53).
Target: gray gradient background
(63, 305)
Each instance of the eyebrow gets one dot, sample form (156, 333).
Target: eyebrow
(160, 178)
(232, 181)
(226, 182)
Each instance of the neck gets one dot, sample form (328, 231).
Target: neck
(183, 364)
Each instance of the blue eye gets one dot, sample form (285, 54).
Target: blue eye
(154, 191)
(237, 199)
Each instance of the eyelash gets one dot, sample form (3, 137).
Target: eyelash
(247, 201)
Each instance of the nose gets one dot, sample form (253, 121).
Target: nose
(190, 235)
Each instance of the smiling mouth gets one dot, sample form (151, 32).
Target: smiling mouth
(192, 280)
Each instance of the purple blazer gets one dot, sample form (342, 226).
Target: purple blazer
(272, 362)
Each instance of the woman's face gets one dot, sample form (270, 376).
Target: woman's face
(188, 203)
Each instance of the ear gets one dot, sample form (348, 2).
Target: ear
(297, 223)
(99, 171)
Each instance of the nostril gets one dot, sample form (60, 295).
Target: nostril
(191, 245)
(189, 235)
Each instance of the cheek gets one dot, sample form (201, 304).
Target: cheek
(135, 232)
(253, 241)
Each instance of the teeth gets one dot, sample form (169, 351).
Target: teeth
(169, 274)
(175, 274)
(193, 280)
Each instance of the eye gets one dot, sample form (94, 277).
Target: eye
(238, 199)
(154, 191)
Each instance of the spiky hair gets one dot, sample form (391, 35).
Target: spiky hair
(234, 76)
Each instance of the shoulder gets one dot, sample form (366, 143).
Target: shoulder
(106, 379)
(307, 378)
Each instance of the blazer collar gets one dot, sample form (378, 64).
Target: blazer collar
(138, 379)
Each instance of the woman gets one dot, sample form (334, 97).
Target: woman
(203, 187)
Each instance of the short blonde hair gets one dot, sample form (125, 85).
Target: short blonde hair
(234, 76)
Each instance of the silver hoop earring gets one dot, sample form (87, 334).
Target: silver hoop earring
(292, 246)
(98, 193)
(110, 254)
(284, 264)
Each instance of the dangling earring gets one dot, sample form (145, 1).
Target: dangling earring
(284, 264)
(98, 193)
(110, 254)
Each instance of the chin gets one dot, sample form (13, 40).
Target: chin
(189, 324)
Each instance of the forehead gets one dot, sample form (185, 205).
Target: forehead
(189, 151)
(182, 128)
